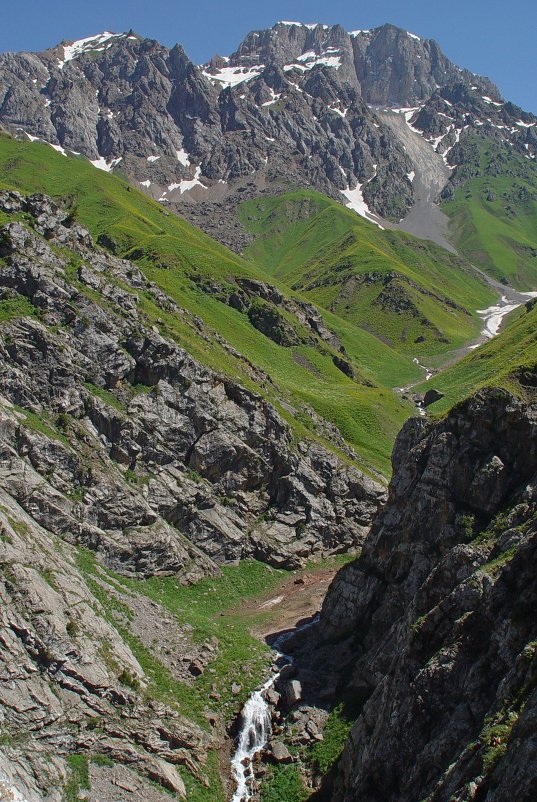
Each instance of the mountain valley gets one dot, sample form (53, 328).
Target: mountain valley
(266, 321)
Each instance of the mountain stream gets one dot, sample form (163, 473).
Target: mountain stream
(256, 725)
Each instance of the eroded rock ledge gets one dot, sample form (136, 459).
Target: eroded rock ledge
(212, 475)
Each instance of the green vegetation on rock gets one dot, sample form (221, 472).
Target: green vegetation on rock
(187, 264)
(283, 782)
(507, 361)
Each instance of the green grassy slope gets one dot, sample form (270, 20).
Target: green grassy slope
(399, 288)
(497, 362)
(494, 212)
(178, 257)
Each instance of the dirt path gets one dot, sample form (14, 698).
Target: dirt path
(299, 596)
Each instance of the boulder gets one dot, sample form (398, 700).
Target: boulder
(431, 396)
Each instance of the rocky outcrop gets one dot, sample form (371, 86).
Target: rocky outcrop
(186, 135)
(295, 105)
(457, 110)
(433, 627)
(390, 66)
(191, 470)
(69, 682)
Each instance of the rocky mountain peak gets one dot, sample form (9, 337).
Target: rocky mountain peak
(294, 103)
(393, 67)
(69, 50)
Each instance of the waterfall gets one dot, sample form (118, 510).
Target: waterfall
(256, 725)
(255, 732)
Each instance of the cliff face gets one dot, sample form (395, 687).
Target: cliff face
(437, 616)
(186, 135)
(389, 66)
(294, 106)
(69, 684)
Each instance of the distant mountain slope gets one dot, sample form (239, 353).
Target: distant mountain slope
(126, 101)
(410, 294)
(489, 186)
(492, 204)
(391, 66)
(509, 361)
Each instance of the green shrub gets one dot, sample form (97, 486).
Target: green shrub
(283, 784)
(78, 779)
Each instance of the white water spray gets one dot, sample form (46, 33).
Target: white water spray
(255, 732)
(256, 726)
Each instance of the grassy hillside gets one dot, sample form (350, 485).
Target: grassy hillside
(409, 293)
(195, 270)
(497, 362)
(494, 212)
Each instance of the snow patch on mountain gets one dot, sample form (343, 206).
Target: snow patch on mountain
(309, 60)
(85, 45)
(102, 164)
(356, 202)
(183, 157)
(232, 76)
(185, 185)
(492, 102)
(274, 98)
(338, 111)
(309, 25)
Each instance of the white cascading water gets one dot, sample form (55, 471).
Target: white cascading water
(255, 732)
(257, 726)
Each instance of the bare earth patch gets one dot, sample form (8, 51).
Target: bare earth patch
(299, 596)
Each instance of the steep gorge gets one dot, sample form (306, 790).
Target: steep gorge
(114, 443)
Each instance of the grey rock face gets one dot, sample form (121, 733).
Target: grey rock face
(293, 106)
(390, 66)
(431, 396)
(457, 112)
(70, 684)
(435, 622)
(131, 102)
(219, 480)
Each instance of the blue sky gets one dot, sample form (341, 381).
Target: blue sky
(490, 37)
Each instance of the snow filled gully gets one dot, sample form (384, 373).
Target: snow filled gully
(494, 315)
(256, 724)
